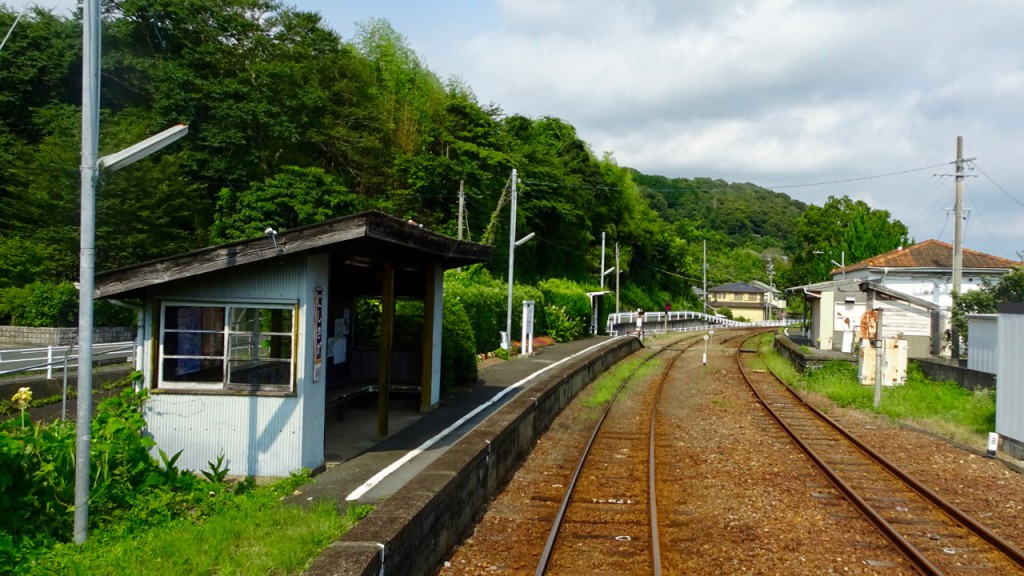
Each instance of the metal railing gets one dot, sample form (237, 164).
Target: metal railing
(51, 358)
(658, 322)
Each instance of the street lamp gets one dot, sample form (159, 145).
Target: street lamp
(512, 244)
(90, 169)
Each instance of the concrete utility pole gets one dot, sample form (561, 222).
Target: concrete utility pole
(704, 296)
(958, 245)
(462, 205)
(87, 257)
(601, 272)
(511, 260)
(617, 269)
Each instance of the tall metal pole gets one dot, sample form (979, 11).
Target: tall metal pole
(704, 296)
(958, 245)
(601, 271)
(617, 269)
(462, 206)
(87, 257)
(511, 260)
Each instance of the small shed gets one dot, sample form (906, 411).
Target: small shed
(1010, 378)
(983, 349)
(245, 346)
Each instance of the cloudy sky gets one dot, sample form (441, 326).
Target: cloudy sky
(863, 98)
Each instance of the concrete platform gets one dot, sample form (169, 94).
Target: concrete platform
(355, 453)
(431, 479)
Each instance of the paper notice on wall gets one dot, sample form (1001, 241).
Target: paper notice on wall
(339, 349)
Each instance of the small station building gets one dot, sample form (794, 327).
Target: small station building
(248, 348)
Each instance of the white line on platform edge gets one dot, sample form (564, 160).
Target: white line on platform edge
(379, 476)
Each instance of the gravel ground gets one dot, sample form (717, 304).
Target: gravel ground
(735, 496)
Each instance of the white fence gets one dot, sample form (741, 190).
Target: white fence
(56, 358)
(682, 321)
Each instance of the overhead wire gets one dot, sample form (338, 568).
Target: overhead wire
(984, 226)
(974, 164)
(861, 178)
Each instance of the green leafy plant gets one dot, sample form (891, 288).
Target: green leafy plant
(561, 326)
(217, 472)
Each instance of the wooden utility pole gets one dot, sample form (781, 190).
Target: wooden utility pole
(958, 246)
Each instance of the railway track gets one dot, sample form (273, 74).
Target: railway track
(604, 512)
(605, 521)
(931, 533)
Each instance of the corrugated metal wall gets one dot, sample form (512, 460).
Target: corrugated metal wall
(259, 435)
(1010, 376)
(981, 345)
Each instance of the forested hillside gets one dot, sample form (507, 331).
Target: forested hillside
(289, 124)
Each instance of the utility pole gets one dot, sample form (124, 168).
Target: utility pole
(617, 269)
(600, 272)
(704, 296)
(87, 257)
(511, 259)
(462, 206)
(958, 246)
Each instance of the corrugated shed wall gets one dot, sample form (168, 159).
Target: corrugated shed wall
(1010, 377)
(280, 279)
(259, 435)
(981, 345)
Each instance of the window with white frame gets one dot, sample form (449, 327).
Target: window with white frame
(227, 346)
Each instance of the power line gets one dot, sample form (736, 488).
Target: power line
(1000, 188)
(863, 177)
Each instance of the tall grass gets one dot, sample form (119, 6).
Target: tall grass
(943, 408)
(257, 534)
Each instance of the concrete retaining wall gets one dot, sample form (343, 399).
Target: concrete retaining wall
(806, 358)
(939, 370)
(39, 337)
(413, 530)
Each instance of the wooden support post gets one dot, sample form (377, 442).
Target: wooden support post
(387, 321)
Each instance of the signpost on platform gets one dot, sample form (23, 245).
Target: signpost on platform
(526, 343)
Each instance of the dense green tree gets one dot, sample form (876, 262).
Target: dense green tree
(293, 197)
(842, 229)
(1009, 288)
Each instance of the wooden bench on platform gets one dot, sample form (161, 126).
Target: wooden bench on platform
(339, 397)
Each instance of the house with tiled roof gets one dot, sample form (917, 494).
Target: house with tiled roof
(745, 300)
(913, 287)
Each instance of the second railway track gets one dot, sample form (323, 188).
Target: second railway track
(933, 534)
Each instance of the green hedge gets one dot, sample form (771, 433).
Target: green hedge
(571, 299)
(49, 304)
(458, 356)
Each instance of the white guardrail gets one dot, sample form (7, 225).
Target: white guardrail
(654, 322)
(50, 358)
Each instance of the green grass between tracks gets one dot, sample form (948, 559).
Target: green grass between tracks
(606, 384)
(943, 408)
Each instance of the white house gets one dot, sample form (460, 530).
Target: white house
(913, 287)
(245, 345)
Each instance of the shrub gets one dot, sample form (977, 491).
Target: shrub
(48, 304)
(483, 299)
(37, 478)
(572, 301)
(561, 326)
(458, 356)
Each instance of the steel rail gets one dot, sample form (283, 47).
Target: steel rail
(909, 551)
(556, 525)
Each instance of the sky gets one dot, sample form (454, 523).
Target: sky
(812, 98)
